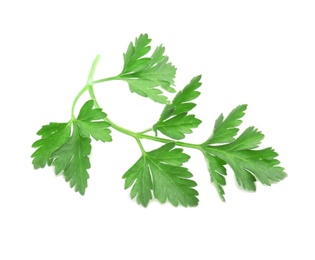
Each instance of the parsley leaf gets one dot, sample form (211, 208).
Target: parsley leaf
(248, 164)
(148, 76)
(72, 159)
(225, 129)
(161, 171)
(217, 172)
(69, 152)
(53, 136)
(174, 120)
(88, 124)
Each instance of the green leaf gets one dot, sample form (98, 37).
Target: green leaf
(249, 139)
(52, 137)
(160, 171)
(72, 159)
(146, 88)
(67, 151)
(217, 172)
(175, 121)
(90, 125)
(252, 165)
(133, 58)
(225, 129)
(148, 76)
(248, 164)
(139, 177)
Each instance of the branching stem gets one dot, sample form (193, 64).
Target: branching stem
(137, 135)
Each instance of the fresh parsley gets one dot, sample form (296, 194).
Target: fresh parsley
(159, 173)
(68, 145)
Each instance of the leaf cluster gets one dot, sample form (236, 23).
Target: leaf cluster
(148, 76)
(66, 146)
(159, 173)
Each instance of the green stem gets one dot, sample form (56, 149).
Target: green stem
(142, 135)
(149, 137)
(76, 100)
(165, 140)
(89, 85)
(137, 136)
(122, 129)
(90, 79)
(145, 131)
(104, 80)
(140, 146)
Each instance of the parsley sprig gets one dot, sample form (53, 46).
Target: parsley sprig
(159, 173)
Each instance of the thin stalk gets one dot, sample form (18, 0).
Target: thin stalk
(140, 146)
(89, 85)
(121, 129)
(90, 78)
(104, 80)
(149, 137)
(76, 100)
(145, 131)
(165, 140)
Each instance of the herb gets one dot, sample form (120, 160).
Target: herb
(158, 173)
(69, 152)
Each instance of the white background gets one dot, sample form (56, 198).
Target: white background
(260, 53)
